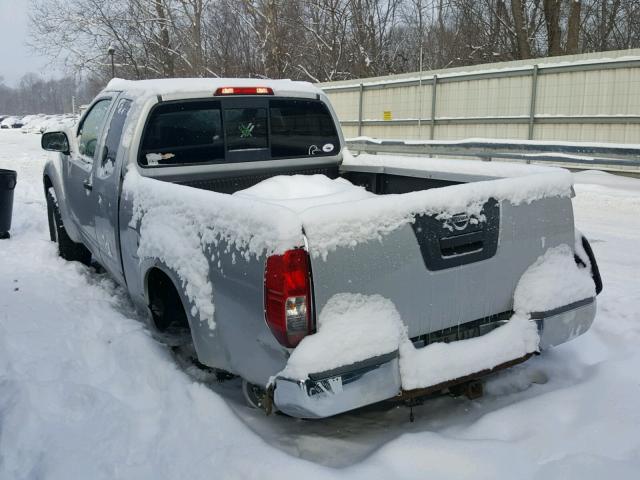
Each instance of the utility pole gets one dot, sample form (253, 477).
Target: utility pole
(111, 51)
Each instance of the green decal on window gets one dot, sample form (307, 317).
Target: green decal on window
(246, 131)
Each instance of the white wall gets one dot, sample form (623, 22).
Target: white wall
(592, 97)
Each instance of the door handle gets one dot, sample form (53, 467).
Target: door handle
(87, 185)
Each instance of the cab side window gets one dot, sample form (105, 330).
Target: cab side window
(107, 160)
(90, 129)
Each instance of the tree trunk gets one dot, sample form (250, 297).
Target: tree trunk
(573, 27)
(522, 33)
(552, 22)
(166, 54)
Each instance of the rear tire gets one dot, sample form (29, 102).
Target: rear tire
(67, 248)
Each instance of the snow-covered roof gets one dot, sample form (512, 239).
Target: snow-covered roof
(176, 86)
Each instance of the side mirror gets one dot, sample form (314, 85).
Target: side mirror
(55, 142)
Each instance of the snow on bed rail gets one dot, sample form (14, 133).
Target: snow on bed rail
(179, 225)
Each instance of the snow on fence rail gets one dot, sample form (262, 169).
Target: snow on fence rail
(589, 97)
(577, 155)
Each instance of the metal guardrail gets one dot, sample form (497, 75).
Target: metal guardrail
(625, 158)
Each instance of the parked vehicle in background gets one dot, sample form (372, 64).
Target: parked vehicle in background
(40, 123)
(11, 122)
(29, 123)
(235, 218)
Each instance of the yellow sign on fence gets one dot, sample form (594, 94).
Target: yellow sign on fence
(386, 115)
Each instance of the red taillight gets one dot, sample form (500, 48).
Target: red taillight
(244, 91)
(287, 296)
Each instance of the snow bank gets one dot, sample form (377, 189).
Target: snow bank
(87, 393)
(332, 226)
(552, 281)
(440, 362)
(181, 225)
(299, 192)
(351, 328)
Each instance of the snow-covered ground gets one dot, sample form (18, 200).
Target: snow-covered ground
(86, 393)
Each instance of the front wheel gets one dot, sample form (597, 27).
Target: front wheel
(67, 248)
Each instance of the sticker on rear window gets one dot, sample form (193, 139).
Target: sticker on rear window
(246, 131)
(327, 147)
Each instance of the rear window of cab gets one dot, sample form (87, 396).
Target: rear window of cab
(230, 130)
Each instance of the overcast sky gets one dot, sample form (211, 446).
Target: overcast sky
(15, 57)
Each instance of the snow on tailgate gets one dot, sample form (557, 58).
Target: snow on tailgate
(336, 213)
(332, 226)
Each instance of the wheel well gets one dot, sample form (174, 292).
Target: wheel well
(47, 184)
(165, 303)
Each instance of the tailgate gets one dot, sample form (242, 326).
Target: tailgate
(441, 273)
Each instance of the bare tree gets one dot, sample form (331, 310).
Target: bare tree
(320, 40)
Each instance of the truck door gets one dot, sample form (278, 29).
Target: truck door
(79, 175)
(107, 180)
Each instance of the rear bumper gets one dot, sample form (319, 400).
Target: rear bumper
(336, 393)
(566, 323)
(378, 379)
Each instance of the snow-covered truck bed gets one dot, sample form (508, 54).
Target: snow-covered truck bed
(234, 216)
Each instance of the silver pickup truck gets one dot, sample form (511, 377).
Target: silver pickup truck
(234, 216)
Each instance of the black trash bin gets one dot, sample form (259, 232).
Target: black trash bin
(7, 185)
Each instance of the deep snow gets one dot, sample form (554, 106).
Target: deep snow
(86, 393)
